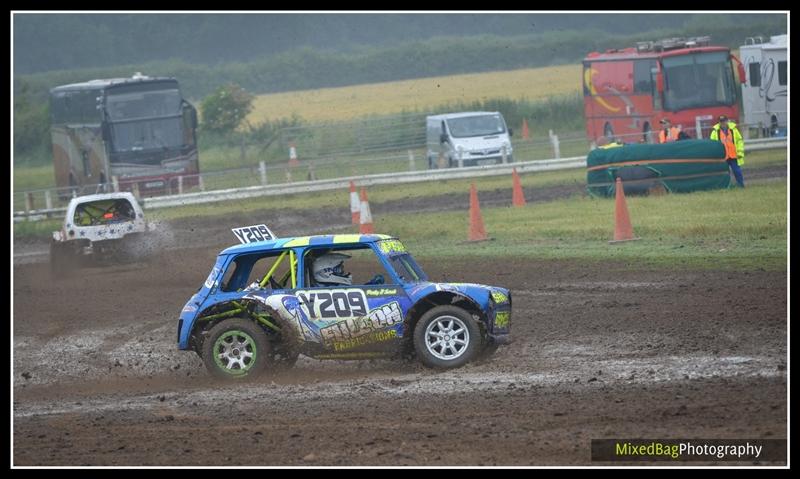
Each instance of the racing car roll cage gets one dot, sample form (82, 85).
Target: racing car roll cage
(115, 208)
(239, 308)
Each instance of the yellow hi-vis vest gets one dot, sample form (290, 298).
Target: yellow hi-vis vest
(733, 142)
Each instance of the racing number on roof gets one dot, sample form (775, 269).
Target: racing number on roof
(251, 234)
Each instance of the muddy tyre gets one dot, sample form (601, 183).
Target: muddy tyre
(236, 349)
(446, 337)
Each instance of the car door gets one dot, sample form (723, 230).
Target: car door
(364, 316)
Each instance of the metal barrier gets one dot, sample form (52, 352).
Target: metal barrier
(272, 180)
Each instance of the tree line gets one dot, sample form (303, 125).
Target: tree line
(308, 68)
(84, 40)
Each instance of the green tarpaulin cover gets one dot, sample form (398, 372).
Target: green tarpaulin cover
(678, 167)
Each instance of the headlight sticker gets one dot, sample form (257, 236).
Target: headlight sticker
(499, 297)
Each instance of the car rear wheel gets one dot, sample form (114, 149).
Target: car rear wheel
(236, 349)
(446, 337)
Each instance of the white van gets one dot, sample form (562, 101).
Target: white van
(472, 138)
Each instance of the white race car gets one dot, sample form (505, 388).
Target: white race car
(102, 227)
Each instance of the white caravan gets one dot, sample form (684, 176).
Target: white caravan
(764, 94)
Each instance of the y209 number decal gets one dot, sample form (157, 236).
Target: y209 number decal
(250, 234)
(334, 304)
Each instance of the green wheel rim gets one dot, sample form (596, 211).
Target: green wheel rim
(235, 352)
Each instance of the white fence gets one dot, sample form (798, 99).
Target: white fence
(263, 180)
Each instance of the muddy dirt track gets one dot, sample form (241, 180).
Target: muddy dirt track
(599, 352)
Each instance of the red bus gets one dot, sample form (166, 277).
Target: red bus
(627, 92)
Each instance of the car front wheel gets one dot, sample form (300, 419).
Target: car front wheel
(446, 337)
(236, 349)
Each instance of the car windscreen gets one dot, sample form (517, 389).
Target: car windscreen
(103, 212)
(407, 269)
(480, 125)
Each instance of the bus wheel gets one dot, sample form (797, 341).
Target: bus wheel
(648, 133)
(608, 131)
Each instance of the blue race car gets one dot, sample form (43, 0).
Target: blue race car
(271, 299)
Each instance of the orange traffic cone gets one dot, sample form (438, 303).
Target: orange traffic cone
(517, 196)
(623, 231)
(525, 131)
(355, 204)
(365, 217)
(476, 230)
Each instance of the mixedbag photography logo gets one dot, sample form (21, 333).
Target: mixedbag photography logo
(750, 450)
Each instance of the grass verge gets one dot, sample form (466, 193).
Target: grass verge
(723, 229)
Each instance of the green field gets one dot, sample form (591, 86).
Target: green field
(370, 100)
(33, 177)
(379, 194)
(216, 159)
(698, 230)
(733, 228)
(344, 103)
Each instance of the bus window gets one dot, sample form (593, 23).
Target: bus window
(657, 102)
(188, 127)
(755, 74)
(782, 73)
(642, 78)
(698, 80)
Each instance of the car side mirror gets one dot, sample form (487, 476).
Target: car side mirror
(443, 138)
(660, 82)
(510, 132)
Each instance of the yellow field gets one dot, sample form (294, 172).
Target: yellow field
(329, 104)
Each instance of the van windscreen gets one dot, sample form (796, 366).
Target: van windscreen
(482, 125)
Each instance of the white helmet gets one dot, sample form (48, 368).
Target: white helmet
(329, 268)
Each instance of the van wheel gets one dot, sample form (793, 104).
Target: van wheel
(446, 337)
(236, 349)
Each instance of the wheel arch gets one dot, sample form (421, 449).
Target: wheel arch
(228, 309)
(440, 298)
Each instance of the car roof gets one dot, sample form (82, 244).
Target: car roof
(463, 114)
(291, 242)
(104, 196)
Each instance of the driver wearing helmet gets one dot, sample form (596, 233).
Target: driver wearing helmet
(328, 270)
